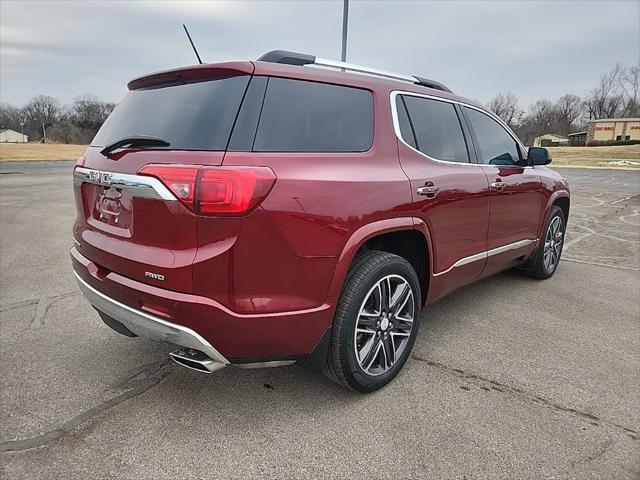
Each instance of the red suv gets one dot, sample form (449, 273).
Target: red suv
(265, 213)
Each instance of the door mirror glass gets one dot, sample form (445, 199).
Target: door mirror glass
(538, 156)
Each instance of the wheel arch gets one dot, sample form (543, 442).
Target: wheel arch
(407, 237)
(563, 202)
(559, 198)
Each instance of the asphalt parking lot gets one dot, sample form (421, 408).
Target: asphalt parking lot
(509, 378)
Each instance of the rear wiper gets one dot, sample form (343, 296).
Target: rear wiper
(134, 141)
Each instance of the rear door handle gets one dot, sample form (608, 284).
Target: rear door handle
(428, 190)
(498, 186)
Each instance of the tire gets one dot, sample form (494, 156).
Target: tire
(538, 266)
(371, 276)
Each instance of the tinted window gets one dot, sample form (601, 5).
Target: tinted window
(300, 116)
(406, 130)
(194, 116)
(496, 146)
(437, 129)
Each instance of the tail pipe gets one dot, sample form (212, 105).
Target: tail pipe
(195, 360)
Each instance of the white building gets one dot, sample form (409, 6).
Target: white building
(550, 140)
(613, 129)
(11, 136)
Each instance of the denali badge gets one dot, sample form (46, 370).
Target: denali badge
(155, 276)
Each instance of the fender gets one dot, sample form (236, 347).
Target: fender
(370, 230)
(562, 193)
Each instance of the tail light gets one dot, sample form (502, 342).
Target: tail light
(216, 191)
(181, 180)
(80, 161)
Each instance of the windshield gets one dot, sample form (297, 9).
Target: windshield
(193, 116)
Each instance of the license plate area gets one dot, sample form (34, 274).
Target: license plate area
(113, 207)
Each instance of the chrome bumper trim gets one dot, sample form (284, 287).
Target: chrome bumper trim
(268, 364)
(148, 326)
(139, 185)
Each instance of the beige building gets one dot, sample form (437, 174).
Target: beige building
(612, 129)
(550, 140)
(11, 136)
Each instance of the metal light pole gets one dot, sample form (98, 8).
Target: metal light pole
(345, 20)
(44, 132)
(22, 130)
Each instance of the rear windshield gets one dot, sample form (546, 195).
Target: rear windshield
(302, 116)
(193, 116)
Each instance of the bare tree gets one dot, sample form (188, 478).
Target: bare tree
(42, 112)
(90, 113)
(540, 118)
(605, 100)
(506, 106)
(630, 87)
(11, 117)
(568, 109)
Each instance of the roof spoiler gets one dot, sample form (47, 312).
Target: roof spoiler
(300, 59)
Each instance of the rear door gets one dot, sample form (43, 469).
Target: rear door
(132, 223)
(516, 192)
(449, 192)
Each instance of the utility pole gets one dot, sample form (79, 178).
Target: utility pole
(44, 132)
(22, 130)
(345, 20)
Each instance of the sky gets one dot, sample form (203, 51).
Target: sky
(535, 49)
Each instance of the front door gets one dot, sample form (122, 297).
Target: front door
(516, 193)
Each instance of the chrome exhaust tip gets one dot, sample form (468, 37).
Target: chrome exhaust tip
(195, 360)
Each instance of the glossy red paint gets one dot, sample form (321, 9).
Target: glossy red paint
(266, 284)
(515, 213)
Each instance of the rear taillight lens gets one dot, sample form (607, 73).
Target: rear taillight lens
(181, 180)
(233, 190)
(223, 191)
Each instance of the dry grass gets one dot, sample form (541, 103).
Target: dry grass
(40, 151)
(613, 156)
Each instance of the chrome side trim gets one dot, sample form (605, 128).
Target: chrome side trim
(138, 185)
(396, 126)
(148, 326)
(487, 254)
(510, 246)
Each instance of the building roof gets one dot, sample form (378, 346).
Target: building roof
(577, 133)
(600, 120)
(552, 135)
(10, 130)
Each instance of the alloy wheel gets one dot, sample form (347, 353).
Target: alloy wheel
(553, 244)
(384, 325)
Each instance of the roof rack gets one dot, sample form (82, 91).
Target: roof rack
(300, 59)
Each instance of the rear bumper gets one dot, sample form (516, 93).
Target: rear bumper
(146, 325)
(199, 322)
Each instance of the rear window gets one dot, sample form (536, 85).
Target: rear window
(302, 116)
(193, 116)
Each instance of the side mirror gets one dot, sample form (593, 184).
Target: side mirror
(538, 156)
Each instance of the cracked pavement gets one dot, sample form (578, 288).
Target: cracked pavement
(509, 378)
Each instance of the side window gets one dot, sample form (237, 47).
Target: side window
(406, 130)
(302, 116)
(437, 129)
(496, 146)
